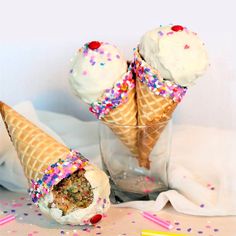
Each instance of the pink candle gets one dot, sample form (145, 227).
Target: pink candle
(157, 220)
(6, 219)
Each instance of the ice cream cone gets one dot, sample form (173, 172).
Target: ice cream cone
(156, 101)
(121, 116)
(122, 122)
(51, 168)
(154, 112)
(102, 77)
(36, 149)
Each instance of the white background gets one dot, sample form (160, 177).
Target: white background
(38, 38)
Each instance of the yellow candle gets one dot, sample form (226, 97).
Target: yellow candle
(158, 233)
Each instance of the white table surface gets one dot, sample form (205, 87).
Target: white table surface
(117, 222)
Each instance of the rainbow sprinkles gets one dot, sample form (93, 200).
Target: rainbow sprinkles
(153, 79)
(55, 173)
(115, 96)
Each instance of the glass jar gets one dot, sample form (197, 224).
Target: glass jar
(129, 180)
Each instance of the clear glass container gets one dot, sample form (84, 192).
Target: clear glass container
(129, 181)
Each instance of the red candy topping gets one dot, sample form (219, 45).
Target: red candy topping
(94, 45)
(177, 28)
(186, 46)
(95, 219)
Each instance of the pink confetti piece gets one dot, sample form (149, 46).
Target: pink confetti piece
(146, 191)
(85, 72)
(149, 179)
(157, 220)
(6, 219)
(17, 205)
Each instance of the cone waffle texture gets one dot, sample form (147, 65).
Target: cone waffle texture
(156, 101)
(154, 112)
(36, 149)
(121, 118)
(117, 108)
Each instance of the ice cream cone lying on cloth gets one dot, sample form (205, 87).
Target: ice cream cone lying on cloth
(166, 62)
(102, 78)
(63, 184)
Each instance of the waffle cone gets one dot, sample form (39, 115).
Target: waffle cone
(120, 118)
(36, 149)
(154, 111)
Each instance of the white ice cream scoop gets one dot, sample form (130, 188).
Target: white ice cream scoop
(176, 52)
(96, 67)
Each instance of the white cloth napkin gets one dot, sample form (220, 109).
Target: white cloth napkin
(201, 169)
(202, 173)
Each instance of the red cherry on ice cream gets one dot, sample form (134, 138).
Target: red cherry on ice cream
(177, 28)
(95, 219)
(94, 45)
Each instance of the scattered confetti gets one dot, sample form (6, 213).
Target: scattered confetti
(207, 228)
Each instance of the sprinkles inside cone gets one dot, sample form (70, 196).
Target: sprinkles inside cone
(55, 173)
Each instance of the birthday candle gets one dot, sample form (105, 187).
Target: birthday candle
(158, 233)
(157, 220)
(6, 219)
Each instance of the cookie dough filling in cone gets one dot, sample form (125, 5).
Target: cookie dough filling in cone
(156, 100)
(117, 108)
(63, 183)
